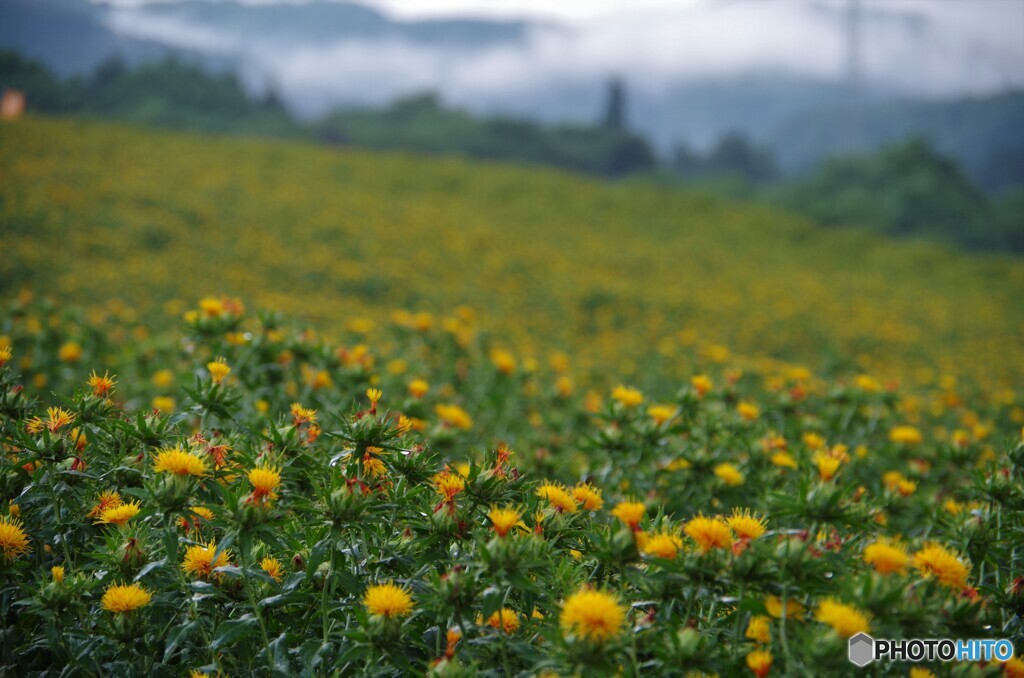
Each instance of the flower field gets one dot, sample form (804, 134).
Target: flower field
(436, 426)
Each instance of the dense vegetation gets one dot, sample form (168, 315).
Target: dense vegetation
(469, 447)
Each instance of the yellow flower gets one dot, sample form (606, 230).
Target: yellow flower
(662, 545)
(630, 512)
(101, 386)
(784, 460)
(163, 404)
(180, 463)
(827, 465)
(272, 566)
(760, 662)
(418, 388)
(746, 525)
(57, 572)
(265, 480)
(592, 615)
(558, 497)
(845, 620)
(588, 496)
(661, 413)
(905, 435)
(199, 560)
(791, 610)
(107, 499)
(748, 411)
(69, 352)
(504, 519)
(729, 474)
(814, 441)
(887, 557)
(387, 600)
(121, 598)
(759, 629)
(918, 672)
(701, 384)
(218, 370)
(448, 484)
(5, 354)
(374, 394)
(503, 361)
(708, 533)
(939, 562)
(504, 620)
(120, 514)
(13, 540)
(163, 378)
(302, 415)
(453, 416)
(626, 396)
(1014, 668)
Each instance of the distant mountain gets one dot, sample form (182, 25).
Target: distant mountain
(69, 36)
(986, 134)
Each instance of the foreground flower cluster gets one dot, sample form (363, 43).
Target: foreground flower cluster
(241, 498)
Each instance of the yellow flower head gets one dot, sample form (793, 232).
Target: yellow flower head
(592, 615)
(937, 561)
(783, 460)
(558, 497)
(503, 361)
(302, 415)
(630, 512)
(199, 560)
(662, 545)
(120, 514)
(13, 540)
(587, 496)
(905, 435)
(107, 499)
(791, 610)
(218, 370)
(272, 566)
(5, 354)
(387, 600)
(101, 386)
(418, 388)
(453, 416)
(265, 480)
(121, 598)
(701, 384)
(69, 352)
(759, 629)
(748, 411)
(504, 620)
(627, 397)
(708, 533)
(661, 413)
(729, 474)
(180, 463)
(57, 418)
(887, 557)
(746, 525)
(374, 394)
(504, 519)
(827, 465)
(845, 620)
(760, 662)
(448, 484)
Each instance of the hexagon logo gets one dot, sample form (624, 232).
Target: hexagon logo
(862, 649)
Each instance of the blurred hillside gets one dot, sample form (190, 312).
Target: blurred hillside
(928, 73)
